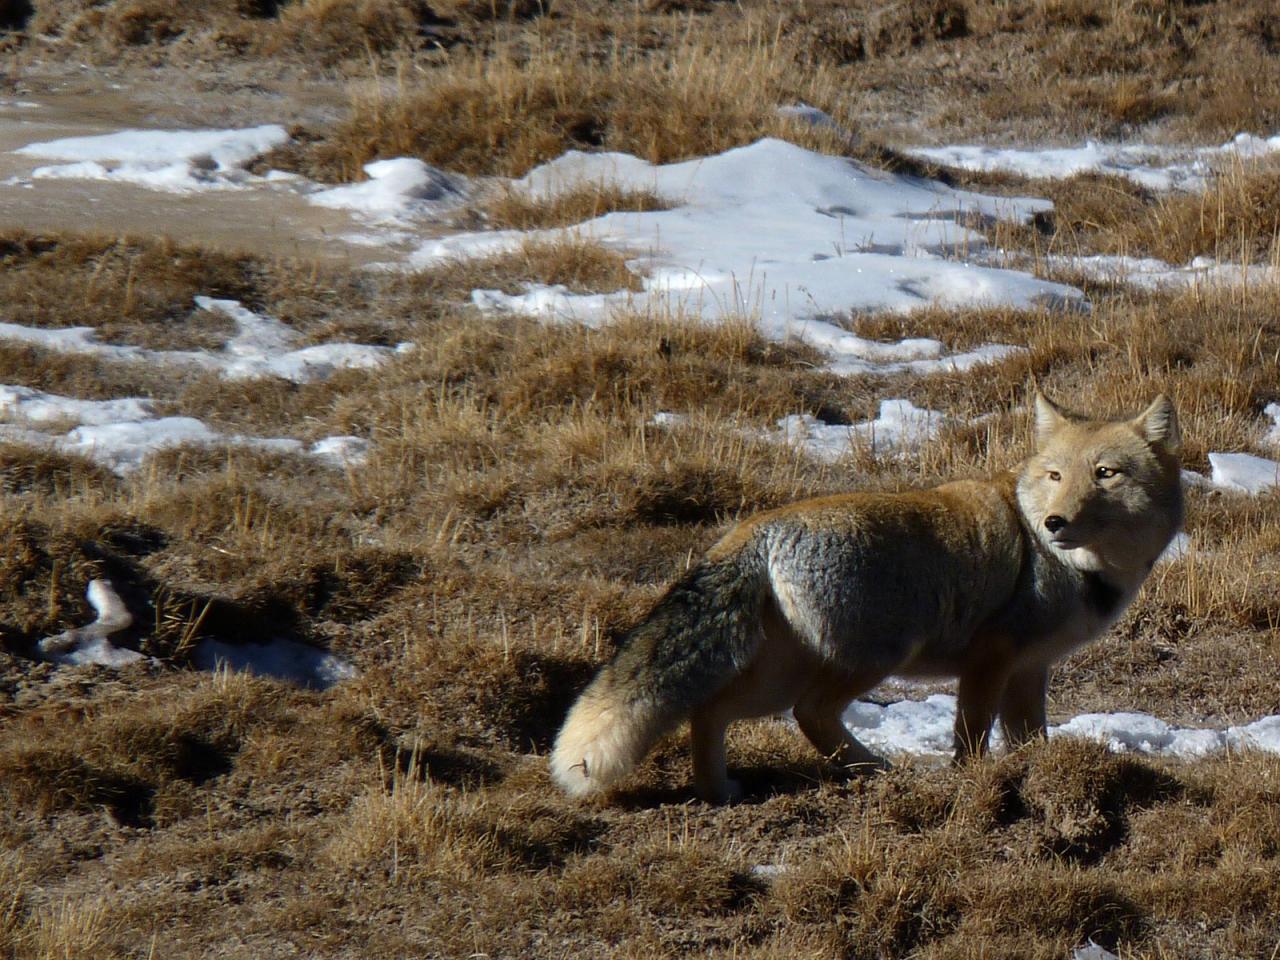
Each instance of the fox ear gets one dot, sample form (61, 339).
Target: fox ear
(1159, 424)
(1048, 418)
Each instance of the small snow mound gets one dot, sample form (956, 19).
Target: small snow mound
(1243, 472)
(809, 115)
(89, 644)
(399, 189)
(1272, 410)
(1091, 951)
(341, 451)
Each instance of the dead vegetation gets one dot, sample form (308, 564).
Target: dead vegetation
(520, 507)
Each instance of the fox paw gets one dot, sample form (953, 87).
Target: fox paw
(726, 791)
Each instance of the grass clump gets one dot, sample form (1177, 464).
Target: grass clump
(511, 109)
(517, 210)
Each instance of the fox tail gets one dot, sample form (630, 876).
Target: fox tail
(702, 632)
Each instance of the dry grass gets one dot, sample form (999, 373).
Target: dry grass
(520, 508)
(1236, 219)
(509, 109)
(518, 210)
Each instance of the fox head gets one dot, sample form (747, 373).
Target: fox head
(1107, 494)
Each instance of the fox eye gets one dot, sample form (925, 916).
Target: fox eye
(1105, 473)
(1055, 476)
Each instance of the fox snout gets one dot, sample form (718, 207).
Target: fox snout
(1053, 522)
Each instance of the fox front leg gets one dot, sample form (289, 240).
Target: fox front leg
(977, 697)
(1022, 708)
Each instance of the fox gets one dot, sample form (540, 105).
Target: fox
(810, 605)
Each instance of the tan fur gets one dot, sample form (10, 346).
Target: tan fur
(808, 606)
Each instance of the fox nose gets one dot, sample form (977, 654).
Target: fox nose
(1053, 523)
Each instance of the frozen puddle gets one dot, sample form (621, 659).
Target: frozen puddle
(281, 659)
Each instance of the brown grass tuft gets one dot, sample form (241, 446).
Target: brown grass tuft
(518, 211)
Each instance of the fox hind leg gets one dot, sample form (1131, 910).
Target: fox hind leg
(820, 715)
(770, 684)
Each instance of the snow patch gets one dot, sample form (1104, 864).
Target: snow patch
(925, 727)
(180, 161)
(782, 234)
(121, 434)
(1153, 167)
(261, 347)
(1148, 273)
(1272, 410)
(89, 644)
(396, 191)
(900, 427)
(1243, 472)
(288, 660)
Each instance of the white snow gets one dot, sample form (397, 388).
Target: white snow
(1148, 273)
(181, 161)
(397, 190)
(900, 427)
(283, 659)
(1154, 167)
(121, 434)
(23, 404)
(1243, 472)
(1091, 951)
(924, 727)
(1272, 410)
(89, 644)
(1179, 547)
(789, 237)
(261, 347)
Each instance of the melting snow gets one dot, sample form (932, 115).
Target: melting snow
(89, 644)
(397, 190)
(1154, 167)
(783, 234)
(925, 727)
(1150, 274)
(900, 427)
(283, 659)
(121, 434)
(298, 663)
(181, 161)
(1243, 472)
(262, 346)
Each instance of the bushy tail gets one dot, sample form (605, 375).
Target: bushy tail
(703, 631)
